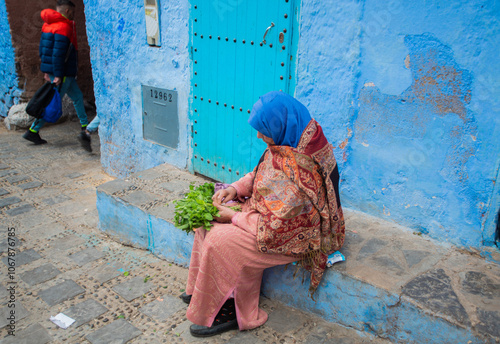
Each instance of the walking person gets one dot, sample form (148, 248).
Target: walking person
(59, 61)
(84, 136)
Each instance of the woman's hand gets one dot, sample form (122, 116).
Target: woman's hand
(224, 195)
(226, 214)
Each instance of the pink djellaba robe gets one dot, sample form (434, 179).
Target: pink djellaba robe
(225, 261)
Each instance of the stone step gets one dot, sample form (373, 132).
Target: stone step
(394, 283)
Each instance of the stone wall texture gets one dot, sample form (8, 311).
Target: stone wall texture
(9, 92)
(407, 92)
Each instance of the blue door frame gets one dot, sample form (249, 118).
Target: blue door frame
(240, 50)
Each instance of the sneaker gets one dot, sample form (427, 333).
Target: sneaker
(84, 139)
(33, 137)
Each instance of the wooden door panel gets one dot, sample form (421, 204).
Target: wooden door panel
(231, 69)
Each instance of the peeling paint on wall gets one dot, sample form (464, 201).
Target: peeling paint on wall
(422, 141)
(418, 84)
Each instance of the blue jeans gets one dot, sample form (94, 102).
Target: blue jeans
(69, 87)
(92, 127)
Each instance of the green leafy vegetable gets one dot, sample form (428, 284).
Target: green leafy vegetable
(196, 209)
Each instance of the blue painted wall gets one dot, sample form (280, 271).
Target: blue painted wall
(121, 62)
(9, 92)
(408, 92)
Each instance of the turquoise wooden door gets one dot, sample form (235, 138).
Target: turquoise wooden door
(241, 49)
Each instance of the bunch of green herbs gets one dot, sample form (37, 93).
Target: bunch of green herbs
(196, 209)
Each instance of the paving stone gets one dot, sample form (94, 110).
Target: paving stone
(5, 244)
(164, 211)
(119, 331)
(70, 209)
(133, 288)
(5, 173)
(86, 256)
(20, 210)
(46, 230)
(490, 322)
(17, 179)
(245, 337)
(413, 257)
(478, 283)
(163, 308)
(434, 290)
(67, 242)
(19, 313)
(140, 197)
(4, 295)
(283, 320)
(56, 199)
(182, 331)
(23, 257)
(150, 174)
(4, 202)
(3, 192)
(35, 334)
(41, 274)
(178, 187)
(114, 186)
(30, 222)
(389, 263)
(24, 157)
(352, 240)
(89, 219)
(85, 312)
(30, 185)
(61, 292)
(107, 272)
(370, 247)
(74, 175)
(316, 339)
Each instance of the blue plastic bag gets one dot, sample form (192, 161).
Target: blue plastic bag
(53, 111)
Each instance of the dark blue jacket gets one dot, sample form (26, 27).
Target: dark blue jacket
(58, 47)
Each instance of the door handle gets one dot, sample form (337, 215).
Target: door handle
(265, 33)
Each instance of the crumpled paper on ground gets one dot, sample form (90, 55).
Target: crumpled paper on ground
(63, 321)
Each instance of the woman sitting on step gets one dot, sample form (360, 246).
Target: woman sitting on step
(291, 213)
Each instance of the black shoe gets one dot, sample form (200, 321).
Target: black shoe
(34, 137)
(84, 139)
(224, 321)
(204, 331)
(186, 298)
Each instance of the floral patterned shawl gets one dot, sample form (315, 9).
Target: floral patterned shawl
(296, 192)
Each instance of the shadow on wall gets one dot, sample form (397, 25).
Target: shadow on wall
(412, 149)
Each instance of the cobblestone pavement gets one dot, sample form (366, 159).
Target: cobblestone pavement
(63, 263)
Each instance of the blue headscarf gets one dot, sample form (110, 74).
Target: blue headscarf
(281, 117)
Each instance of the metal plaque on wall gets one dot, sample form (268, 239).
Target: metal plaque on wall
(159, 116)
